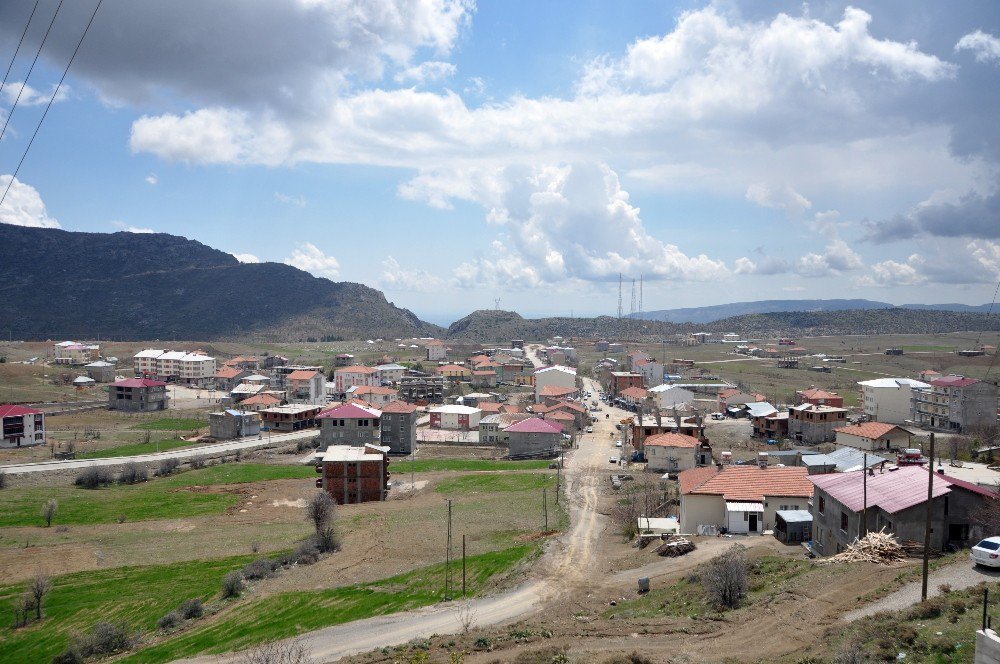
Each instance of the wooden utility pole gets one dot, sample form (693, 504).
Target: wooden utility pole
(927, 525)
(863, 526)
(558, 477)
(447, 559)
(545, 508)
(463, 564)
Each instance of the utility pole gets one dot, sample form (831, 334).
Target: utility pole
(863, 526)
(447, 560)
(927, 525)
(558, 477)
(545, 508)
(463, 564)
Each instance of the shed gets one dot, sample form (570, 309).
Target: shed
(793, 525)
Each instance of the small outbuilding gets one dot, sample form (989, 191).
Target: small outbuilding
(231, 423)
(793, 526)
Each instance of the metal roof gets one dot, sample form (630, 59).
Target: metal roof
(795, 516)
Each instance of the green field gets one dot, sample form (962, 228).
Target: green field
(494, 482)
(137, 448)
(159, 498)
(436, 465)
(288, 614)
(172, 424)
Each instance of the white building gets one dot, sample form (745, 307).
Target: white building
(390, 373)
(183, 366)
(21, 426)
(436, 350)
(556, 375)
(669, 396)
(72, 352)
(653, 372)
(465, 418)
(889, 399)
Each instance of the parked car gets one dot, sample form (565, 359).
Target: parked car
(613, 459)
(590, 429)
(987, 552)
(618, 443)
(717, 416)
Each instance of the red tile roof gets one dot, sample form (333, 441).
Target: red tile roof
(695, 477)
(556, 391)
(634, 392)
(893, 491)
(302, 374)
(399, 407)
(816, 393)
(139, 382)
(509, 408)
(489, 406)
(228, 372)
(372, 389)
(728, 393)
(560, 415)
(672, 440)
(569, 405)
(261, 399)
(873, 430)
(10, 410)
(452, 367)
(355, 369)
(535, 425)
(954, 381)
(751, 484)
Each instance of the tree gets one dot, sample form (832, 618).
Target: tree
(40, 586)
(49, 510)
(727, 577)
(320, 511)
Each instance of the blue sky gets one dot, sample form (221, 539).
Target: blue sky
(450, 153)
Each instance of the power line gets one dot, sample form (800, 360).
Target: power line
(51, 99)
(24, 84)
(19, 42)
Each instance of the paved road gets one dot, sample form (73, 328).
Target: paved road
(565, 566)
(215, 449)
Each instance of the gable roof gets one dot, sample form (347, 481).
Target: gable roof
(452, 367)
(816, 393)
(228, 372)
(349, 411)
(672, 440)
(634, 392)
(873, 430)
(355, 369)
(751, 484)
(893, 491)
(10, 410)
(560, 415)
(557, 367)
(534, 425)
(556, 391)
(261, 400)
(695, 477)
(139, 382)
(399, 407)
(954, 381)
(302, 374)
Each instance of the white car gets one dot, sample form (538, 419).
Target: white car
(618, 443)
(590, 429)
(987, 552)
(613, 459)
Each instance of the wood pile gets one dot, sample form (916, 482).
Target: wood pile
(675, 546)
(915, 549)
(879, 547)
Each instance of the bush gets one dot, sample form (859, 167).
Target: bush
(726, 577)
(197, 462)
(168, 467)
(191, 608)
(3, 480)
(133, 473)
(232, 585)
(261, 568)
(932, 608)
(320, 511)
(93, 478)
(169, 621)
(104, 639)
(306, 553)
(69, 656)
(276, 652)
(852, 653)
(328, 541)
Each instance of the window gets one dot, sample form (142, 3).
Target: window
(822, 504)
(843, 521)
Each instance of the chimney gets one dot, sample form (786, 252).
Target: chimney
(762, 460)
(727, 457)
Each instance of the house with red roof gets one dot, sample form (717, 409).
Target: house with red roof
(534, 437)
(741, 499)
(373, 394)
(737, 397)
(261, 401)
(896, 502)
(138, 395)
(306, 386)
(398, 427)
(955, 403)
(676, 452)
(818, 397)
(349, 424)
(554, 376)
(874, 436)
(22, 426)
(345, 377)
(634, 396)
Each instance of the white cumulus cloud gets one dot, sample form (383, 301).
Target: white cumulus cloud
(310, 258)
(779, 197)
(426, 72)
(25, 95)
(152, 179)
(836, 259)
(246, 258)
(297, 201)
(895, 273)
(23, 205)
(128, 228)
(395, 278)
(985, 46)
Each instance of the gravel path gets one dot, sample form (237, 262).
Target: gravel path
(960, 574)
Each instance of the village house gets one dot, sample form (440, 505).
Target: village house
(422, 389)
(290, 417)
(492, 428)
(306, 386)
(244, 391)
(226, 378)
(533, 437)
(671, 396)
(390, 374)
(343, 360)
(897, 502)
(619, 381)
(437, 351)
(260, 401)
(676, 452)
(347, 377)
(454, 372)
(579, 416)
(819, 397)
(955, 403)
(349, 424)
(376, 396)
(484, 378)
(556, 376)
(741, 499)
(768, 423)
(22, 426)
(810, 424)
(462, 418)
(552, 393)
(634, 396)
(398, 427)
(637, 433)
(873, 436)
(250, 363)
(230, 424)
(72, 352)
(100, 371)
(635, 357)
(354, 474)
(273, 361)
(889, 400)
(138, 394)
(279, 375)
(652, 372)
(737, 397)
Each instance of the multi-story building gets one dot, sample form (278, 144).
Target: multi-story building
(346, 377)
(349, 424)
(436, 351)
(72, 352)
(195, 368)
(619, 381)
(889, 400)
(811, 424)
(354, 474)
(463, 418)
(21, 426)
(556, 375)
(676, 452)
(534, 437)
(390, 374)
(291, 417)
(306, 386)
(429, 389)
(955, 403)
(138, 394)
(398, 427)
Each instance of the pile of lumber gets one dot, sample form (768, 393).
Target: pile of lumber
(915, 549)
(879, 547)
(675, 546)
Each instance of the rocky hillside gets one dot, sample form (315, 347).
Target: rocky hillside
(55, 284)
(499, 326)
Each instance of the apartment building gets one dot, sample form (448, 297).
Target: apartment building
(889, 400)
(955, 403)
(21, 426)
(175, 365)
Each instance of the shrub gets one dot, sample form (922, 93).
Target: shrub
(93, 478)
(276, 652)
(49, 510)
(932, 608)
(69, 656)
(726, 577)
(320, 511)
(169, 621)
(261, 568)
(133, 473)
(306, 553)
(191, 608)
(168, 467)
(232, 585)
(104, 639)
(328, 541)
(197, 462)
(3, 480)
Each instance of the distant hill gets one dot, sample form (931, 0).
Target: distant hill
(56, 284)
(502, 326)
(716, 312)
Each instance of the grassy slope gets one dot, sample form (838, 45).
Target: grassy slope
(160, 498)
(492, 482)
(138, 448)
(434, 465)
(172, 424)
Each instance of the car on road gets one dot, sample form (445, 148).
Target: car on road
(590, 429)
(618, 443)
(987, 552)
(717, 416)
(613, 459)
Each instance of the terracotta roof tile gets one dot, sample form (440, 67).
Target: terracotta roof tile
(695, 477)
(751, 484)
(672, 440)
(399, 407)
(873, 430)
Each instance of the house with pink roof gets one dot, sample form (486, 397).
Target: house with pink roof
(534, 437)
